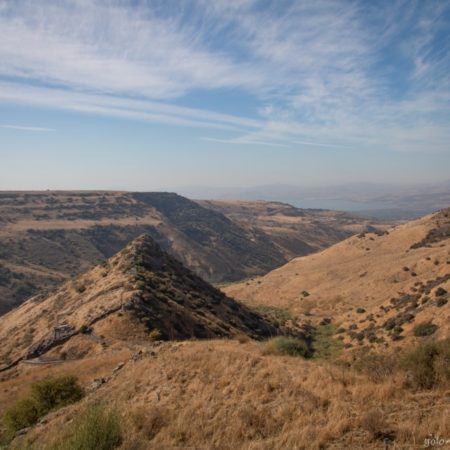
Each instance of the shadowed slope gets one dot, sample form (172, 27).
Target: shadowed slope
(139, 290)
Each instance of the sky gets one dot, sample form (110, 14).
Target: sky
(164, 94)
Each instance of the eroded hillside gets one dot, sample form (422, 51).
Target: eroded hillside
(295, 231)
(367, 384)
(139, 291)
(47, 237)
(376, 288)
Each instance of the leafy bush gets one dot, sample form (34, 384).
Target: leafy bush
(95, 429)
(46, 395)
(440, 291)
(21, 414)
(53, 393)
(323, 343)
(425, 329)
(287, 346)
(429, 364)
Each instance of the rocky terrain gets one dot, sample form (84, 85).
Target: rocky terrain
(347, 348)
(375, 287)
(48, 237)
(294, 231)
(139, 293)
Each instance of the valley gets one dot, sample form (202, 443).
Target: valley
(48, 237)
(343, 348)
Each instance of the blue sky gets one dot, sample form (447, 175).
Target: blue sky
(149, 94)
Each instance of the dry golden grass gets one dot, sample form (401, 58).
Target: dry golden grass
(365, 272)
(232, 394)
(227, 395)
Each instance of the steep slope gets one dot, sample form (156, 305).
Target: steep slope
(47, 237)
(140, 290)
(227, 395)
(295, 231)
(374, 286)
(229, 249)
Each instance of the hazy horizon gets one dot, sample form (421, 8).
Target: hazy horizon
(151, 95)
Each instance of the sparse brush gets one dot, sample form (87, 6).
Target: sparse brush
(428, 365)
(149, 421)
(377, 367)
(95, 429)
(374, 422)
(324, 345)
(287, 346)
(242, 338)
(425, 329)
(46, 395)
(155, 335)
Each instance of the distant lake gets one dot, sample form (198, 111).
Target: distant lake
(379, 210)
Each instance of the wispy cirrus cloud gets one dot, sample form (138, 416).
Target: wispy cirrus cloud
(25, 128)
(332, 74)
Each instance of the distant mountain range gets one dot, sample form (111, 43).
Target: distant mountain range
(372, 199)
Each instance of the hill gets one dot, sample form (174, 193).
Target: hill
(48, 237)
(234, 392)
(375, 287)
(140, 290)
(294, 231)
(228, 395)
(381, 200)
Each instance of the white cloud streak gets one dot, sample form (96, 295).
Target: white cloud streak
(26, 128)
(317, 71)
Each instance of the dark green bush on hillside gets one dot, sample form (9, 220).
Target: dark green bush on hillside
(21, 414)
(53, 393)
(45, 395)
(429, 365)
(95, 429)
(425, 329)
(287, 346)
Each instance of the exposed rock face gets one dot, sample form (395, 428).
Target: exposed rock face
(47, 237)
(181, 305)
(139, 291)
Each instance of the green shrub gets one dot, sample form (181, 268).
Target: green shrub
(21, 414)
(95, 429)
(53, 393)
(425, 329)
(429, 364)
(84, 329)
(323, 343)
(45, 395)
(287, 346)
